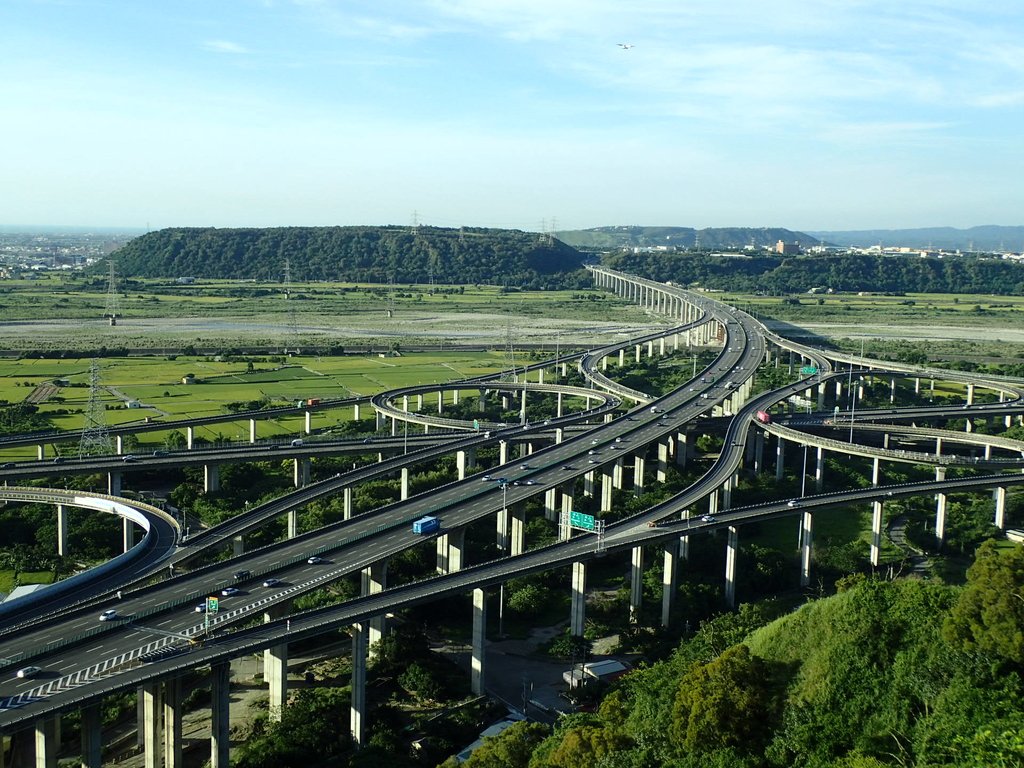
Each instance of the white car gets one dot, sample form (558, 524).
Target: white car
(791, 503)
(109, 615)
(707, 519)
(229, 591)
(272, 583)
(29, 671)
(315, 560)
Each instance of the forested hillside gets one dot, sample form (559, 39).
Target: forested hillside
(905, 673)
(847, 272)
(358, 254)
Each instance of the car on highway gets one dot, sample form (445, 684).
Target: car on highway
(201, 608)
(524, 466)
(486, 478)
(792, 503)
(239, 575)
(7, 465)
(128, 459)
(315, 560)
(25, 672)
(566, 467)
(229, 591)
(272, 583)
(529, 482)
(109, 615)
(58, 460)
(708, 519)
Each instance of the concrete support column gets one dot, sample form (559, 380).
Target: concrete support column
(780, 458)
(275, 665)
(373, 580)
(238, 542)
(731, 550)
(62, 530)
(559, 412)
(460, 464)
(300, 472)
(876, 532)
(309, 422)
(419, 403)
(172, 723)
(211, 478)
(114, 483)
(970, 394)
(682, 448)
(357, 713)
(46, 742)
(128, 533)
(450, 547)
(940, 518)
(806, 520)
(517, 529)
(578, 601)
(477, 680)
(252, 430)
(819, 469)
(606, 490)
(588, 484)
(559, 435)
(502, 452)
(118, 444)
(669, 580)
(355, 412)
(152, 725)
(381, 420)
(92, 737)
(636, 583)
(662, 472)
(622, 357)
(346, 494)
(1000, 499)
(220, 714)
(190, 438)
(440, 402)
(639, 468)
(405, 484)
(551, 504)
(567, 502)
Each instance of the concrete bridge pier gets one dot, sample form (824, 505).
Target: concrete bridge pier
(999, 496)
(636, 583)
(374, 578)
(478, 677)
(606, 490)
(275, 664)
(876, 532)
(682, 449)
(405, 484)
(464, 460)
(62, 531)
(662, 472)
(357, 711)
(819, 469)
(114, 483)
(940, 509)
(40, 452)
(731, 550)
(622, 357)
(356, 414)
(578, 601)
(806, 519)
(517, 529)
(567, 502)
(47, 743)
(780, 458)
(252, 430)
(238, 543)
(211, 478)
(92, 737)
(450, 550)
(669, 580)
(220, 714)
(118, 444)
(300, 472)
(152, 725)
(309, 422)
(639, 468)
(190, 438)
(502, 452)
(758, 452)
(346, 494)
(588, 484)
(127, 533)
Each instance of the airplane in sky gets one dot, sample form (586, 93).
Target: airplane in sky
(625, 46)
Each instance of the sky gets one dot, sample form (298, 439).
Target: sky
(529, 114)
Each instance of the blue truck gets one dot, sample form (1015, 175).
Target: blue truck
(426, 524)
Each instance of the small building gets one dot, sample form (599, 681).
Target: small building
(492, 730)
(188, 378)
(604, 671)
(787, 249)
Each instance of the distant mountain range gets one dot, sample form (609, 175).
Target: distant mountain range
(984, 238)
(607, 238)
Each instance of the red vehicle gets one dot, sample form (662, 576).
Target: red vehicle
(763, 417)
(313, 401)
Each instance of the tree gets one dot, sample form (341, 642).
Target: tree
(511, 748)
(989, 615)
(728, 702)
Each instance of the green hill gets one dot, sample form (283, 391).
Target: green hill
(357, 254)
(906, 673)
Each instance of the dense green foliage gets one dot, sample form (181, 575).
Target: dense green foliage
(868, 677)
(360, 254)
(846, 272)
(682, 237)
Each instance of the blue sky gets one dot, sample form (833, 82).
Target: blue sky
(807, 114)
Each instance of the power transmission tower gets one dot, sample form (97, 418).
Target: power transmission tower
(509, 373)
(95, 439)
(112, 311)
(389, 310)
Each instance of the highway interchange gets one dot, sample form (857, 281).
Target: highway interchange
(157, 616)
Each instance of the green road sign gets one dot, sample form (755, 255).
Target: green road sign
(809, 370)
(476, 424)
(580, 520)
(212, 604)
